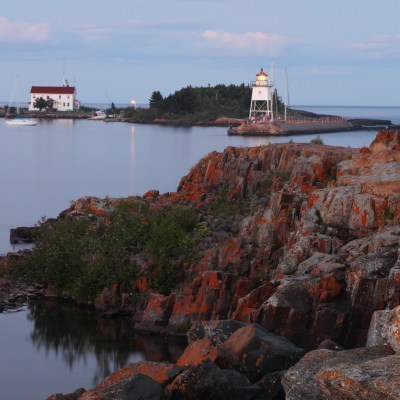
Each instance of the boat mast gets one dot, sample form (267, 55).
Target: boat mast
(287, 100)
(17, 93)
(274, 101)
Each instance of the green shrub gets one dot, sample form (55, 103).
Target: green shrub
(80, 258)
(172, 237)
(317, 140)
(58, 257)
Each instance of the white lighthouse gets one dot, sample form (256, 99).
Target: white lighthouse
(261, 107)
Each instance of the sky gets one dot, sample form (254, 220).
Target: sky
(333, 52)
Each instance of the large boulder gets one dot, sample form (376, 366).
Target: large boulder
(136, 387)
(197, 352)
(161, 372)
(255, 352)
(362, 373)
(367, 281)
(207, 381)
(308, 308)
(385, 329)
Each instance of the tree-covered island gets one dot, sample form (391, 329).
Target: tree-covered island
(196, 105)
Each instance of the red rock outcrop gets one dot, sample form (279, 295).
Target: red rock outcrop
(313, 256)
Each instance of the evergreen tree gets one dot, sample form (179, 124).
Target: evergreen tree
(156, 100)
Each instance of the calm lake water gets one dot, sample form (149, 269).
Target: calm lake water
(48, 348)
(42, 169)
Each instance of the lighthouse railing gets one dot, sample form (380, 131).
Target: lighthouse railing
(262, 83)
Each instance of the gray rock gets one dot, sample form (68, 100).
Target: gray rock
(271, 383)
(207, 381)
(313, 376)
(255, 352)
(375, 335)
(136, 387)
(142, 387)
(375, 266)
(217, 331)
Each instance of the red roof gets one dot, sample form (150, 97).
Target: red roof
(53, 89)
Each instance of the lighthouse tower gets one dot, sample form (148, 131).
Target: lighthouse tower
(261, 107)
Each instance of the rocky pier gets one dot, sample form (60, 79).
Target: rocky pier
(305, 126)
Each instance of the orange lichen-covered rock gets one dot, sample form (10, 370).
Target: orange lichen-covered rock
(207, 297)
(161, 372)
(255, 352)
(328, 374)
(391, 329)
(156, 315)
(377, 378)
(197, 352)
(136, 387)
(151, 194)
(385, 329)
(207, 381)
(385, 140)
(248, 305)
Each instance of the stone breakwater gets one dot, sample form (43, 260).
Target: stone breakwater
(282, 128)
(321, 125)
(297, 298)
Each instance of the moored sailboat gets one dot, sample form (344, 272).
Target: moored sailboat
(18, 120)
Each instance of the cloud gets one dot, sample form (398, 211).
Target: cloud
(256, 43)
(125, 30)
(378, 47)
(23, 32)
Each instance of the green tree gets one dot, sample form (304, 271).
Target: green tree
(41, 103)
(156, 100)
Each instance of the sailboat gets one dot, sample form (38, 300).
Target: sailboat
(19, 120)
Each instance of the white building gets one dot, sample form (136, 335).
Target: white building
(63, 97)
(262, 98)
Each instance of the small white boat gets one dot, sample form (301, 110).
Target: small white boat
(98, 115)
(21, 122)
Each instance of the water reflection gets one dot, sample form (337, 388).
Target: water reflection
(76, 336)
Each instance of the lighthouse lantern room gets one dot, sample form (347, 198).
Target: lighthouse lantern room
(261, 108)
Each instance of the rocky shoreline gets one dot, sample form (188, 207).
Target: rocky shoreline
(298, 297)
(243, 128)
(15, 294)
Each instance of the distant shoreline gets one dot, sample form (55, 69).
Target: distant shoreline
(242, 127)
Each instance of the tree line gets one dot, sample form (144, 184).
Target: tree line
(194, 104)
